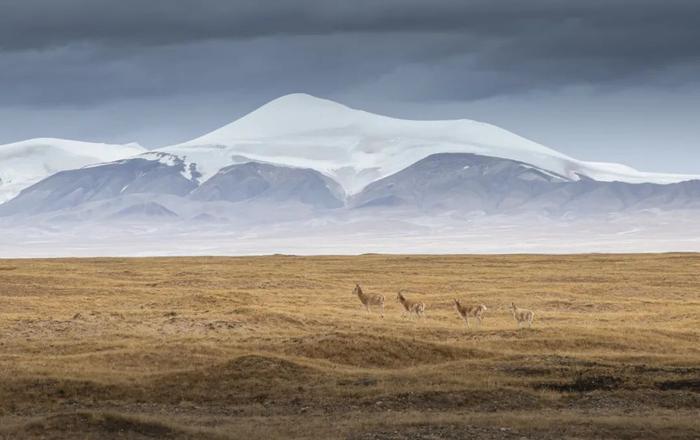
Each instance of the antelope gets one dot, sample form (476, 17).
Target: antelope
(410, 307)
(370, 300)
(466, 311)
(522, 315)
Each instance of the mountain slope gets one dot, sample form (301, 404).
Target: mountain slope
(157, 174)
(143, 211)
(259, 181)
(356, 147)
(353, 147)
(27, 162)
(306, 154)
(465, 182)
(71, 188)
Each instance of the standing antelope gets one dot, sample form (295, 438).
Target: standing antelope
(466, 311)
(410, 307)
(522, 316)
(370, 300)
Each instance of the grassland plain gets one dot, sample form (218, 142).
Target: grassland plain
(278, 347)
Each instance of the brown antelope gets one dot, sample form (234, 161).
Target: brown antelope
(410, 307)
(474, 311)
(522, 316)
(370, 300)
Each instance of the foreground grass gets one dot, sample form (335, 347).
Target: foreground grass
(278, 347)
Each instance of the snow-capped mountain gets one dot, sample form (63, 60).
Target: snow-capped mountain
(355, 147)
(25, 163)
(441, 183)
(307, 171)
(310, 152)
(159, 175)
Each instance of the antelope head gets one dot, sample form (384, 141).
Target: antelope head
(357, 290)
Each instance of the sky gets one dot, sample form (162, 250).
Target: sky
(604, 80)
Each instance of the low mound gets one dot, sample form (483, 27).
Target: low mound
(19, 391)
(263, 367)
(144, 210)
(242, 379)
(98, 426)
(374, 351)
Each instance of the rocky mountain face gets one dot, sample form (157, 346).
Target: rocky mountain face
(165, 186)
(24, 163)
(259, 181)
(469, 182)
(302, 157)
(168, 176)
(69, 189)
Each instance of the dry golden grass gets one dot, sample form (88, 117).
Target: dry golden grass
(278, 347)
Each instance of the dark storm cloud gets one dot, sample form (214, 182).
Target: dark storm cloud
(593, 28)
(139, 62)
(89, 51)
(84, 74)
(509, 40)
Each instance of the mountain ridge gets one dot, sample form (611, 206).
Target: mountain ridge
(26, 162)
(356, 147)
(352, 147)
(440, 183)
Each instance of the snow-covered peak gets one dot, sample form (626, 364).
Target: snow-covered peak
(293, 114)
(356, 147)
(26, 162)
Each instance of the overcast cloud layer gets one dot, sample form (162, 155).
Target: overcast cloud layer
(601, 80)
